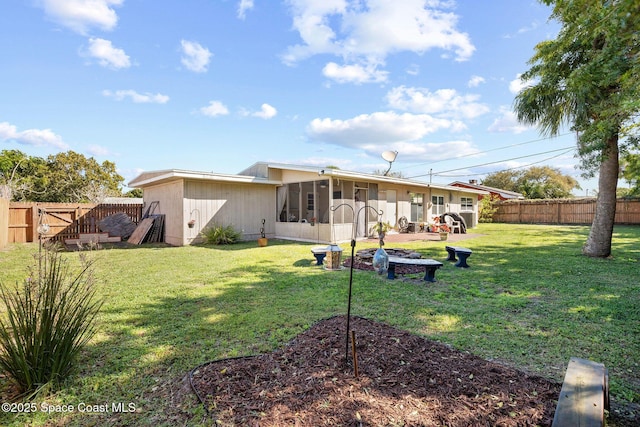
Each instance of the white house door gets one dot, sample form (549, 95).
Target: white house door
(391, 214)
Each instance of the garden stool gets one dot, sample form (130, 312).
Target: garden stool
(461, 253)
(429, 265)
(319, 252)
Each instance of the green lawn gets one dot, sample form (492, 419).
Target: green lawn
(530, 300)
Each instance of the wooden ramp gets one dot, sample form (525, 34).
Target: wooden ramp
(584, 397)
(141, 231)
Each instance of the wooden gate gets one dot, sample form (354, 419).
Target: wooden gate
(60, 221)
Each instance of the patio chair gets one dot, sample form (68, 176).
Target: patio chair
(453, 224)
(403, 225)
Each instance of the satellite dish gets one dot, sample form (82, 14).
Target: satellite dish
(389, 156)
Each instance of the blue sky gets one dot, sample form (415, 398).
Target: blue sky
(217, 85)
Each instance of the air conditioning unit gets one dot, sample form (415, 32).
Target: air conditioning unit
(469, 218)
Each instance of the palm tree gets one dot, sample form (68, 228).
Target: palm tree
(581, 80)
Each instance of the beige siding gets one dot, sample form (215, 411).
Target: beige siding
(242, 206)
(289, 176)
(452, 200)
(169, 196)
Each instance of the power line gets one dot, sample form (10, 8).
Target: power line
(498, 161)
(509, 169)
(487, 151)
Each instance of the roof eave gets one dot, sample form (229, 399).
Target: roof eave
(174, 174)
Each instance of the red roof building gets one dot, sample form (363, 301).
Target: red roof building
(502, 194)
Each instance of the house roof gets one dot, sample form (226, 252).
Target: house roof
(506, 194)
(168, 175)
(252, 176)
(351, 175)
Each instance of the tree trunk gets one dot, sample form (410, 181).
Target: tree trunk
(599, 241)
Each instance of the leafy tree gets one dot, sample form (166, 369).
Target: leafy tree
(64, 177)
(21, 176)
(71, 177)
(588, 77)
(546, 183)
(537, 182)
(505, 180)
(631, 173)
(136, 192)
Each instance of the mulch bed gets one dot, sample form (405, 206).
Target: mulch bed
(403, 380)
(400, 269)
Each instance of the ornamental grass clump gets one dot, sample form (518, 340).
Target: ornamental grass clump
(48, 319)
(221, 235)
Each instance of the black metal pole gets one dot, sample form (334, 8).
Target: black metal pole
(346, 350)
(353, 247)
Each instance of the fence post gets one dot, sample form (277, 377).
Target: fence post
(32, 228)
(4, 222)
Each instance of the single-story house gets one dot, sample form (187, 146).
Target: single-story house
(296, 202)
(494, 192)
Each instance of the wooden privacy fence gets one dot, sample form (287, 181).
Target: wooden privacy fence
(64, 220)
(562, 211)
(4, 222)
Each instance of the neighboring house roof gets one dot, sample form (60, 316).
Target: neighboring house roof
(258, 173)
(504, 194)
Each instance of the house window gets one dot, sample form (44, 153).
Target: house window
(417, 203)
(438, 205)
(466, 203)
(310, 202)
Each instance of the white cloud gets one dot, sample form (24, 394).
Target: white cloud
(354, 73)
(107, 55)
(136, 97)
(516, 85)
(475, 81)
(97, 150)
(266, 112)
(243, 6)
(413, 70)
(195, 57)
(377, 128)
(82, 15)
(33, 137)
(367, 32)
(214, 109)
(443, 102)
(507, 122)
(434, 151)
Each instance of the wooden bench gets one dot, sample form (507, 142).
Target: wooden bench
(461, 253)
(430, 266)
(319, 252)
(584, 396)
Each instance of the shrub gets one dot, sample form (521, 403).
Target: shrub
(220, 235)
(47, 321)
(488, 208)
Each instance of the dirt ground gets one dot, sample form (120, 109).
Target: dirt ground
(403, 380)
